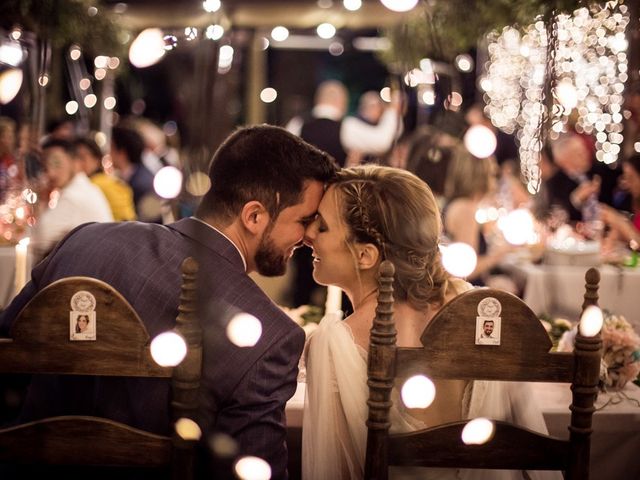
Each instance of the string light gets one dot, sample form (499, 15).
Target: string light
(590, 67)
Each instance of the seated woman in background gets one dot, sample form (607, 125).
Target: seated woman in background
(622, 226)
(118, 194)
(469, 181)
(370, 214)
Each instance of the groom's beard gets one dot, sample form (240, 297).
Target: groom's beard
(269, 261)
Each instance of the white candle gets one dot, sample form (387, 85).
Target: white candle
(21, 264)
(334, 299)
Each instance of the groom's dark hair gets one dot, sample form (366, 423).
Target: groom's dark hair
(263, 163)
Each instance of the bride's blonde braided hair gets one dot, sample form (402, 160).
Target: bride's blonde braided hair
(396, 211)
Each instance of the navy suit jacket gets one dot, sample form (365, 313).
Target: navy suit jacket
(560, 186)
(244, 390)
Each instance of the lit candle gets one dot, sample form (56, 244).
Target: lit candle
(21, 264)
(334, 299)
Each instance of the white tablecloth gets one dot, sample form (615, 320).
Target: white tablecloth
(559, 290)
(615, 443)
(8, 272)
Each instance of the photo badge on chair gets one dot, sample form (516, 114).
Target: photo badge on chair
(82, 318)
(488, 322)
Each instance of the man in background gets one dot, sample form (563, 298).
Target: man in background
(117, 192)
(127, 147)
(581, 181)
(74, 199)
(330, 130)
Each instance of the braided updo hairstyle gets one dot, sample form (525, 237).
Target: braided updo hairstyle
(397, 212)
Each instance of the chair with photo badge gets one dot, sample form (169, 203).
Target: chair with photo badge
(452, 349)
(46, 338)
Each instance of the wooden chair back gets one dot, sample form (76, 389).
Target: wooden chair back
(451, 351)
(41, 342)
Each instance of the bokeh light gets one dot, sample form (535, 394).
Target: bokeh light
(225, 57)
(591, 321)
(459, 259)
(187, 429)
(11, 53)
(168, 349)
(279, 34)
(198, 184)
(464, 62)
(211, 6)
(590, 67)
(517, 226)
(352, 5)
(147, 49)
(71, 107)
(480, 141)
(90, 100)
(478, 431)
(168, 182)
(400, 5)
(244, 330)
(326, 30)
(109, 103)
(74, 52)
(10, 83)
(418, 392)
(214, 32)
(268, 95)
(252, 468)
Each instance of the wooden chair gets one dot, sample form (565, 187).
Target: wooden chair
(450, 351)
(41, 343)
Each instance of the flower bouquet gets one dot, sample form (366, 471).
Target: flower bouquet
(555, 327)
(620, 351)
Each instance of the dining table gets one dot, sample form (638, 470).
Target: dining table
(615, 441)
(558, 290)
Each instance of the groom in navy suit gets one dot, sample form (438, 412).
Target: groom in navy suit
(266, 185)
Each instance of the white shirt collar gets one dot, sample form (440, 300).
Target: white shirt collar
(327, 111)
(244, 261)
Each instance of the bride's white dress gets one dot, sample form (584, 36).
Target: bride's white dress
(334, 433)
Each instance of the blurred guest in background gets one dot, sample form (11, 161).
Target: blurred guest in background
(8, 167)
(469, 181)
(157, 153)
(370, 110)
(626, 226)
(61, 129)
(506, 146)
(117, 192)
(429, 155)
(580, 182)
(370, 107)
(77, 200)
(632, 124)
(127, 146)
(329, 129)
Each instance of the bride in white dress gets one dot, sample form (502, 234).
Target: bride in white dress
(369, 214)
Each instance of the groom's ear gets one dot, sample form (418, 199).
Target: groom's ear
(254, 217)
(368, 255)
